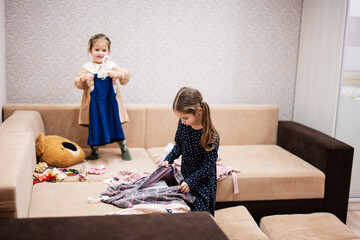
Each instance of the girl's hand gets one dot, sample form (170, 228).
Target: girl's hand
(184, 188)
(165, 163)
(88, 77)
(115, 74)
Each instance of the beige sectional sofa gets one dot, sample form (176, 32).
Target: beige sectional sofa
(284, 167)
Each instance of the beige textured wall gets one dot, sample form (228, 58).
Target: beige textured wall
(2, 57)
(233, 51)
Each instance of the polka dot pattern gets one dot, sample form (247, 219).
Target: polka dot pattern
(198, 166)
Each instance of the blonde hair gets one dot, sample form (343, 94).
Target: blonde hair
(96, 37)
(187, 101)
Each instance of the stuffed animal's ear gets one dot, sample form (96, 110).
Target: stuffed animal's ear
(40, 143)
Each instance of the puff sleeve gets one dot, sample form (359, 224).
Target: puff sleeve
(177, 149)
(125, 75)
(77, 81)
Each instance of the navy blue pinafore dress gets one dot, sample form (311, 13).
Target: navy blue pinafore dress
(104, 120)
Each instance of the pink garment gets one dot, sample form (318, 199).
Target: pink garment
(98, 171)
(128, 176)
(222, 170)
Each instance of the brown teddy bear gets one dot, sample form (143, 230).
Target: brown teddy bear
(57, 151)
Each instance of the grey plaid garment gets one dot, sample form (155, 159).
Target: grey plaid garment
(149, 190)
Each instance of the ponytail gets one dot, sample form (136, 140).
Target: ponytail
(209, 136)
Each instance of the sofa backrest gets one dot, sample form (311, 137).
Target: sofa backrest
(62, 120)
(17, 161)
(59, 119)
(246, 124)
(161, 124)
(236, 124)
(154, 125)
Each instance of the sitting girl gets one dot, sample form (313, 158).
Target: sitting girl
(197, 141)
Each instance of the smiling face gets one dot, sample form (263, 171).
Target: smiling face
(189, 119)
(99, 50)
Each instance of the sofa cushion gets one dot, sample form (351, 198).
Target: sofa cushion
(267, 172)
(111, 159)
(17, 162)
(306, 226)
(245, 124)
(161, 124)
(68, 199)
(237, 223)
(134, 130)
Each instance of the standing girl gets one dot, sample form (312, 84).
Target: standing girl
(102, 107)
(197, 141)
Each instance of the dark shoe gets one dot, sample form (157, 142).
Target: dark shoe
(94, 153)
(124, 150)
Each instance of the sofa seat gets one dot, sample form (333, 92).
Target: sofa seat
(68, 199)
(111, 159)
(282, 176)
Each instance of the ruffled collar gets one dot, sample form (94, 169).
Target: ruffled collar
(95, 67)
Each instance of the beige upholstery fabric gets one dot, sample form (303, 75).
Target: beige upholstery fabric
(236, 124)
(315, 226)
(135, 129)
(245, 124)
(59, 119)
(17, 161)
(161, 125)
(268, 172)
(238, 224)
(68, 199)
(62, 120)
(111, 159)
(23, 121)
(155, 125)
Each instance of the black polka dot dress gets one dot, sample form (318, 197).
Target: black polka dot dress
(198, 166)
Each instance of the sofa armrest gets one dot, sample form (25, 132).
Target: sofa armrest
(333, 157)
